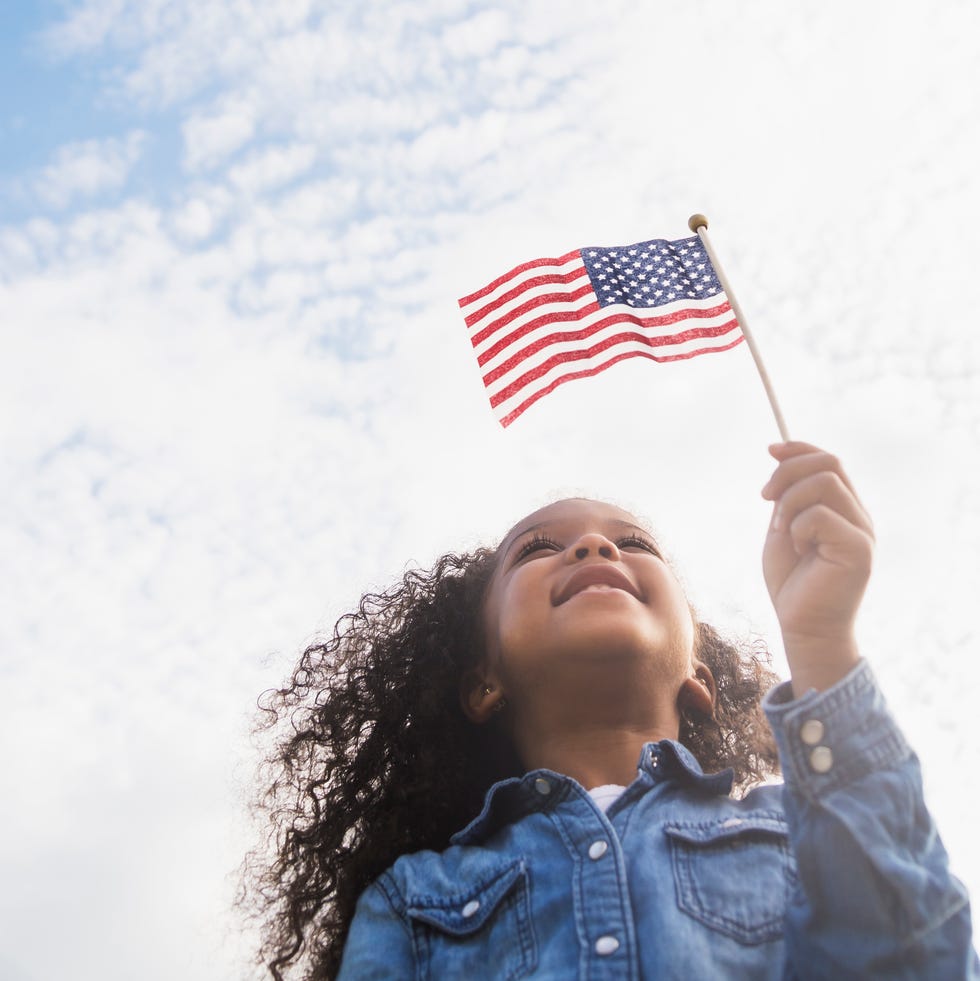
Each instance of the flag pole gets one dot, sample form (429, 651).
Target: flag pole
(699, 225)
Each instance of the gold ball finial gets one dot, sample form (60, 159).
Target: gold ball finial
(697, 221)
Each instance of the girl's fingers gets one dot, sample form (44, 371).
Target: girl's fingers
(825, 488)
(834, 538)
(801, 460)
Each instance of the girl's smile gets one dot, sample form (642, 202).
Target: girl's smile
(595, 578)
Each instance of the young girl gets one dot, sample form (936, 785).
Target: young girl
(521, 764)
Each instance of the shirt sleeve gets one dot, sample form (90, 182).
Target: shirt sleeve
(379, 944)
(875, 898)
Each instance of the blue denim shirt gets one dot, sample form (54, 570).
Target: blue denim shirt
(838, 873)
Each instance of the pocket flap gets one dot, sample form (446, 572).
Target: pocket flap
(464, 912)
(765, 823)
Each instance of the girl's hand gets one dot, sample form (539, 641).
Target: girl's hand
(816, 561)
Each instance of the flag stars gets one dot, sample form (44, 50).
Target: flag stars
(650, 273)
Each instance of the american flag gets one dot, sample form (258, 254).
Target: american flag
(550, 321)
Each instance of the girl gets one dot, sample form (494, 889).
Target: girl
(521, 764)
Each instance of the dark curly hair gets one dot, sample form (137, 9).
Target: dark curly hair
(374, 758)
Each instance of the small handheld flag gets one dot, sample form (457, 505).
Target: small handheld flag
(550, 321)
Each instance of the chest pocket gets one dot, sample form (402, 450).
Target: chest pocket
(734, 875)
(482, 930)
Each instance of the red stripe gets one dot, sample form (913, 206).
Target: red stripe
(545, 300)
(647, 323)
(584, 353)
(500, 280)
(563, 278)
(588, 372)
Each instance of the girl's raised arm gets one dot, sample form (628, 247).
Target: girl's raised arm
(875, 896)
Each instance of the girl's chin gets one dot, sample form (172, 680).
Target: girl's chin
(604, 642)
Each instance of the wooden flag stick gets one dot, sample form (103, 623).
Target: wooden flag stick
(699, 225)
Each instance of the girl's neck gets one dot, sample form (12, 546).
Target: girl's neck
(593, 755)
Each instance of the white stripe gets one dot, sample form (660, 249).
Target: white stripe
(597, 316)
(531, 294)
(584, 364)
(519, 278)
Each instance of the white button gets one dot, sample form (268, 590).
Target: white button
(821, 759)
(597, 849)
(542, 786)
(471, 907)
(606, 945)
(811, 732)
(655, 762)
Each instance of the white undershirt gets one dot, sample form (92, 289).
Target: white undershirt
(606, 794)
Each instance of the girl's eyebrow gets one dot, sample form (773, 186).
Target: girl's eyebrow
(507, 542)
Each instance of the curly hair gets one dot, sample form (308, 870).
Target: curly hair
(374, 757)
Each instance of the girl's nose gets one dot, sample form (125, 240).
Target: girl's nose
(593, 544)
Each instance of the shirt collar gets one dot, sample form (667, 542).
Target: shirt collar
(516, 797)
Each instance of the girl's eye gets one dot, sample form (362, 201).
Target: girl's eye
(536, 544)
(634, 541)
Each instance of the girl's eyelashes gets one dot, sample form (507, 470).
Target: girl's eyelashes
(635, 541)
(539, 542)
(535, 544)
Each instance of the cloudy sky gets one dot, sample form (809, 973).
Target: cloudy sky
(235, 389)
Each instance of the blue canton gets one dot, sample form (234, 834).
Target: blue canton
(650, 274)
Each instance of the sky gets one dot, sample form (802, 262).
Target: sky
(236, 391)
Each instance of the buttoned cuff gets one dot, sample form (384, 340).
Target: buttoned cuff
(831, 738)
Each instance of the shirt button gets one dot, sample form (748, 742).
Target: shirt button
(811, 732)
(542, 786)
(606, 945)
(470, 908)
(821, 759)
(597, 849)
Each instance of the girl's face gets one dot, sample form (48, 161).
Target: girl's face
(581, 586)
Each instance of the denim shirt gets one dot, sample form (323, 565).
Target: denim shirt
(837, 873)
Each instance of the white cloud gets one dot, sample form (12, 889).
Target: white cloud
(87, 168)
(272, 167)
(477, 36)
(211, 137)
(87, 26)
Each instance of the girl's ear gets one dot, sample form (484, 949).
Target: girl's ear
(698, 691)
(480, 696)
